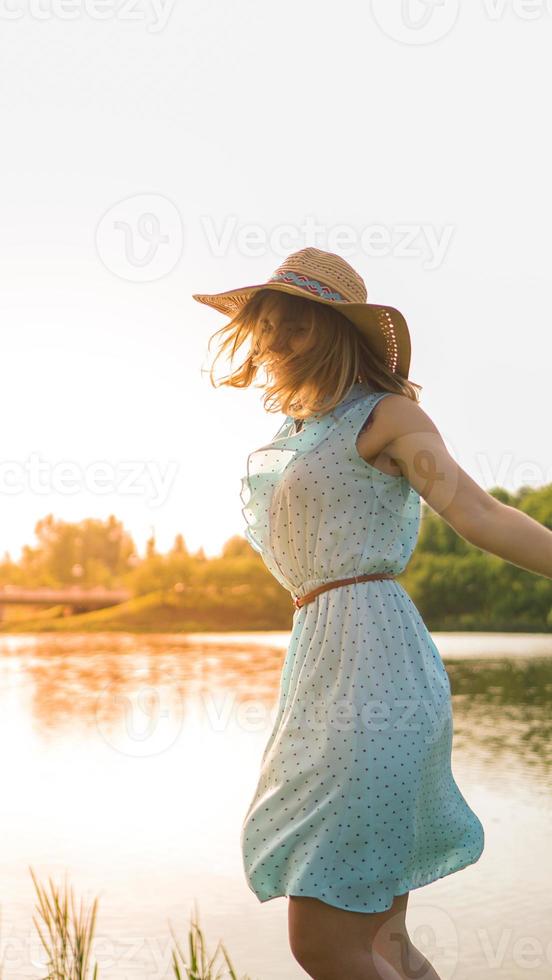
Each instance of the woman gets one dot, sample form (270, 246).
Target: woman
(356, 803)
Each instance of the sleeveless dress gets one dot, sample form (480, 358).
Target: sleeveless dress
(355, 801)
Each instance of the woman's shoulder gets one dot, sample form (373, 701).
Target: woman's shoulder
(393, 403)
(385, 416)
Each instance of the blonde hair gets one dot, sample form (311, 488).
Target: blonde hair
(321, 375)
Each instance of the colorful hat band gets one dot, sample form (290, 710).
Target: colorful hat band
(308, 285)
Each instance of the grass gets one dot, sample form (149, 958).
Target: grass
(199, 966)
(65, 933)
(143, 613)
(67, 936)
(152, 613)
(163, 612)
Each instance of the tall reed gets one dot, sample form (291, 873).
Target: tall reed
(199, 966)
(67, 935)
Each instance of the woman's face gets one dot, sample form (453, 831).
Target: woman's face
(278, 338)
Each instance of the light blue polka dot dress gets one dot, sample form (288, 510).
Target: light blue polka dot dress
(356, 801)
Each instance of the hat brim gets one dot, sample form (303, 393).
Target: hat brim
(383, 326)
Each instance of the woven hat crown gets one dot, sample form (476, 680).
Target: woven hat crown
(324, 274)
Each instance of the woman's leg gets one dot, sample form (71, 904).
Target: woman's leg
(333, 944)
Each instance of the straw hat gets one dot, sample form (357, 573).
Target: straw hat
(327, 278)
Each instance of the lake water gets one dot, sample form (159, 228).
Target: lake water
(129, 762)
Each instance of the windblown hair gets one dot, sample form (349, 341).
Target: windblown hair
(315, 380)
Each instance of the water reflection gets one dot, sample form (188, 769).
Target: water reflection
(502, 711)
(137, 745)
(501, 704)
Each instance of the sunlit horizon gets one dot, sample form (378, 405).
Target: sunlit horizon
(105, 351)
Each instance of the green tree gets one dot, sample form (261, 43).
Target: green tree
(90, 552)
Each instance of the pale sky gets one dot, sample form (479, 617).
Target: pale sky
(155, 150)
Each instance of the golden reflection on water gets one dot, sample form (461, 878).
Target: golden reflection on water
(123, 745)
(501, 704)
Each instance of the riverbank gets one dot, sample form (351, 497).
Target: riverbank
(160, 612)
(218, 611)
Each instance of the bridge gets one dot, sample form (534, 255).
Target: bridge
(73, 598)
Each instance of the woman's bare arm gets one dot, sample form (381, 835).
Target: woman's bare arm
(401, 430)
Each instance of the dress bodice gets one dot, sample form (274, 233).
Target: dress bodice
(316, 510)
